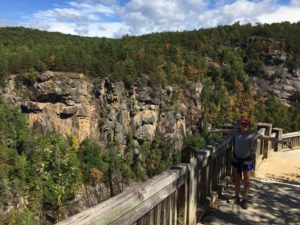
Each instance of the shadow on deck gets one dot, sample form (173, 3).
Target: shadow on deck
(274, 197)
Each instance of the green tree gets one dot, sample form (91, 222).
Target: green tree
(94, 161)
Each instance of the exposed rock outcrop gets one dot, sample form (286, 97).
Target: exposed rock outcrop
(282, 84)
(279, 78)
(59, 102)
(73, 104)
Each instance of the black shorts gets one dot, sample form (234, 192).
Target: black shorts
(242, 166)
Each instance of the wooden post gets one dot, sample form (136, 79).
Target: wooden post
(190, 156)
(175, 208)
(268, 131)
(212, 167)
(228, 161)
(157, 212)
(182, 203)
(278, 132)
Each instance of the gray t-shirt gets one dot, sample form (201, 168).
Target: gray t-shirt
(244, 143)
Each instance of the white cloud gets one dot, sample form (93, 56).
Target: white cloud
(157, 15)
(76, 11)
(281, 14)
(92, 8)
(295, 2)
(111, 19)
(86, 18)
(244, 11)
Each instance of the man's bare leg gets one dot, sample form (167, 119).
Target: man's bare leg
(237, 182)
(246, 184)
(246, 188)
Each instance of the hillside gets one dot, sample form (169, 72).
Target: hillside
(226, 54)
(122, 109)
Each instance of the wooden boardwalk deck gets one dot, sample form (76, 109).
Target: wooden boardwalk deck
(274, 195)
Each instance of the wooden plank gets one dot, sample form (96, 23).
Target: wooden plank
(151, 218)
(140, 222)
(164, 216)
(208, 181)
(157, 214)
(110, 210)
(228, 161)
(145, 207)
(186, 202)
(162, 213)
(292, 134)
(204, 182)
(144, 219)
(199, 191)
(182, 204)
(192, 191)
(171, 209)
(147, 219)
(175, 207)
(260, 124)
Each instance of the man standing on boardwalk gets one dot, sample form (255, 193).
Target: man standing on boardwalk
(243, 158)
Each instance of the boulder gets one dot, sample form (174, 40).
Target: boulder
(146, 132)
(32, 107)
(143, 97)
(69, 110)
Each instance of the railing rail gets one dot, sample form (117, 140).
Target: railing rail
(293, 138)
(179, 196)
(129, 206)
(289, 135)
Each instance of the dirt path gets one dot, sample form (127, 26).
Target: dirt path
(281, 166)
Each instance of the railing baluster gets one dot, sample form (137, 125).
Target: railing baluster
(171, 203)
(164, 212)
(140, 221)
(151, 218)
(175, 207)
(183, 206)
(157, 214)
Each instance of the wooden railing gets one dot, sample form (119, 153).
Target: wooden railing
(154, 200)
(182, 194)
(293, 138)
(175, 196)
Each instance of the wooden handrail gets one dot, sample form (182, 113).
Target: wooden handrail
(133, 204)
(180, 195)
(289, 135)
(293, 139)
(142, 194)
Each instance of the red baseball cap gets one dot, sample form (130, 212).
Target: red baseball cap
(245, 121)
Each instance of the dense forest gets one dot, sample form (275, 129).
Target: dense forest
(49, 170)
(166, 57)
(229, 57)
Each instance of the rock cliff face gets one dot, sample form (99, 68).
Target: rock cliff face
(282, 82)
(73, 104)
(286, 88)
(57, 102)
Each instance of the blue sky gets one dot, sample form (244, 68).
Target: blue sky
(115, 18)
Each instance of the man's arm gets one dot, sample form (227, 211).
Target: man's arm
(225, 131)
(268, 138)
